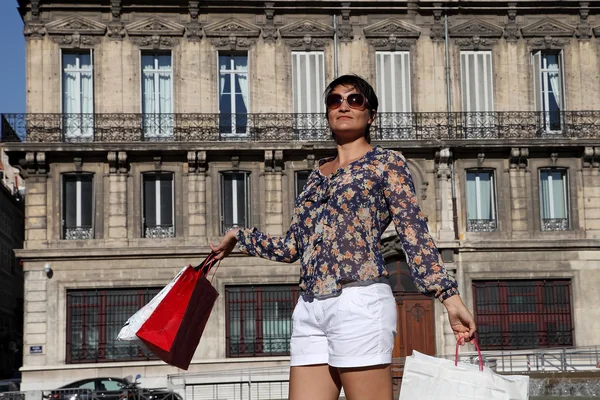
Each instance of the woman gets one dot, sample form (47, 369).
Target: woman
(345, 321)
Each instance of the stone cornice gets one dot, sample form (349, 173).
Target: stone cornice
(307, 34)
(476, 28)
(232, 26)
(154, 26)
(392, 34)
(76, 24)
(548, 27)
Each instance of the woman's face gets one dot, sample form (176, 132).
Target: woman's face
(348, 123)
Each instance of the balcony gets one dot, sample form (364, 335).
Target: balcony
(555, 224)
(127, 128)
(481, 225)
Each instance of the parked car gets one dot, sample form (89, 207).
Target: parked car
(9, 390)
(108, 389)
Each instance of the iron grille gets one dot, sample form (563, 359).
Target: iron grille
(94, 319)
(259, 319)
(523, 314)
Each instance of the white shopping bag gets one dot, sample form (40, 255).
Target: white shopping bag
(431, 378)
(135, 322)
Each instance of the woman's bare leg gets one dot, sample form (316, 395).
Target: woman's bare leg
(314, 382)
(367, 383)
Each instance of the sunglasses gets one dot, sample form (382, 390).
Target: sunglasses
(355, 100)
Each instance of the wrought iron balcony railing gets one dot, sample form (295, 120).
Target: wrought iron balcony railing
(79, 233)
(481, 225)
(159, 231)
(118, 127)
(555, 224)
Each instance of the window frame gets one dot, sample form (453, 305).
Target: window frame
(247, 195)
(297, 190)
(157, 203)
(157, 130)
(257, 292)
(405, 86)
(506, 314)
(541, 97)
(84, 118)
(492, 224)
(63, 221)
(565, 226)
(488, 106)
(143, 295)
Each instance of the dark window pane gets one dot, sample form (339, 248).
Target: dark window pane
(166, 199)
(235, 202)
(86, 200)
(70, 201)
(301, 179)
(149, 200)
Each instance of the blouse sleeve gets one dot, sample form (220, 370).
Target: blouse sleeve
(277, 248)
(422, 255)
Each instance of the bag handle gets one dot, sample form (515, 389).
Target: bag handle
(474, 341)
(206, 264)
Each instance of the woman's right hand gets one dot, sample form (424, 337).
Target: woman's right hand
(227, 244)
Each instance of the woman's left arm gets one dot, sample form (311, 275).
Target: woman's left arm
(422, 255)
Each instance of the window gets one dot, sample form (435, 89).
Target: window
(78, 96)
(477, 91)
(548, 89)
(554, 199)
(259, 319)
(301, 179)
(94, 319)
(158, 205)
(523, 314)
(308, 85)
(400, 279)
(157, 96)
(235, 208)
(481, 201)
(233, 94)
(394, 90)
(78, 206)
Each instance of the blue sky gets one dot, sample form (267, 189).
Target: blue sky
(12, 66)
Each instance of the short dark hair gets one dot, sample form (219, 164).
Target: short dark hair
(362, 86)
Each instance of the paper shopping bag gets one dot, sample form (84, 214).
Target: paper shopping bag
(173, 330)
(429, 378)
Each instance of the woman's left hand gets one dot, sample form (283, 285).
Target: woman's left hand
(461, 319)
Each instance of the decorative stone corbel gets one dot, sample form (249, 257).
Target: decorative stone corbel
(193, 30)
(591, 157)
(424, 188)
(40, 159)
(437, 28)
(344, 30)
(443, 160)
(584, 30)
(30, 163)
(511, 30)
(235, 162)
(112, 162)
(157, 163)
(480, 159)
(78, 164)
(269, 161)
(269, 31)
(192, 161)
(553, 159)
(278, 160)
(122, 162)
(310, 161)
(201, 165)
(518, 157)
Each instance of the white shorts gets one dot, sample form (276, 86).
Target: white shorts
(355, 329)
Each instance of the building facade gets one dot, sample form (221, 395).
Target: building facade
(151, 128)
(12, 222)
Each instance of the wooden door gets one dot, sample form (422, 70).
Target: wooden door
(415, 325)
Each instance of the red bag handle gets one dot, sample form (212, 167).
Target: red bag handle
(207, 265)
(474, 341)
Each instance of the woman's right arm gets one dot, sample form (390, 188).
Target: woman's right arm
(255, 243)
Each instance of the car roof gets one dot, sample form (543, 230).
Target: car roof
(82, 381)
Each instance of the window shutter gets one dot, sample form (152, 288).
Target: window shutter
(166, 199)
(477, 81)
(241, 200)
(308, 81)
(227, 199)
(536, 61)
(86, 200)
(70, 201)
(393, 81)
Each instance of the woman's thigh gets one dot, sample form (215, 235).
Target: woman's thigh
(367, 383)
(314, 382)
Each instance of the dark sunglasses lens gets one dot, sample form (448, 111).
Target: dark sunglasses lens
(334, 100)
(356, 100)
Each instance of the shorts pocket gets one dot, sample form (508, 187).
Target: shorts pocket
(361, 301)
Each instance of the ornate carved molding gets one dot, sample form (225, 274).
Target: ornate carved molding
(40, 160)
(235, 162)
(443, 159)
(269, 161)
(35, 164)
(480, 159)
(584, 30)
(78, 164)
(192, 161)
(76, 41)
(392, 34)
(157, 163)
(194, 9)
(154, 26)
(591, 157)
(269, 31)
(115, 8)
(548, 27)
(76, 24)
(310, 161)
(202, 165)
(518, 157)
(35, 9)
(278, 160)
(476, 28)
(193, 31)
(437, 28)
(391, 247)
(547, 42)
(306, 34)
(116, 30)
(155, 42)
(34, 31)
(511, 30)
(475, 43)
(232, 34)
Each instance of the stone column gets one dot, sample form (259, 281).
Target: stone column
(518, 192)
(36, 201)
(444, 175)
(117, 195)
(591, 192)
(197, 194)
(273, 187)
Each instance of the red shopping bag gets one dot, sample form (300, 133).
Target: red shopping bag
(174, 329)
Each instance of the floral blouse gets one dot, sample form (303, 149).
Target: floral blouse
(337, 225)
